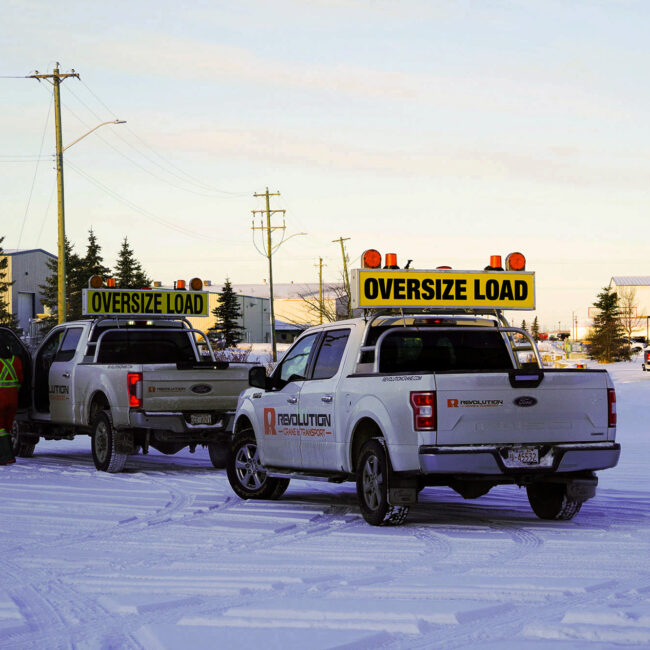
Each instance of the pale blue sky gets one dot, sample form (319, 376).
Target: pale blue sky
(442, 131)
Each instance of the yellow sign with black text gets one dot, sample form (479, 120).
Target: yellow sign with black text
(384, 288)
(144, 302)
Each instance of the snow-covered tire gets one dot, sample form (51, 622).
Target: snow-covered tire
(246, 475)
(550, 501)
(22, 449)
(219, 453)
(105, 455)
(372, 487)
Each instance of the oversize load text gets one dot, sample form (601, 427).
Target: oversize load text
(155, 303)
(498, 290)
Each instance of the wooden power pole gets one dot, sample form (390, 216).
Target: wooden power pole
(55, 79)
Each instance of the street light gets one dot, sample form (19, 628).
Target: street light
(61, 306)
(91, 130)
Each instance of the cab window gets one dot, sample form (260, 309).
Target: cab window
(330, 354)
(69, 344)
(294, 365)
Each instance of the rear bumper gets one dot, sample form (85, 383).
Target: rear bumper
(177, 423)
(492, 459)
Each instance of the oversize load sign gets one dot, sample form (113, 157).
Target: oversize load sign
(144, 302)
(481, 289)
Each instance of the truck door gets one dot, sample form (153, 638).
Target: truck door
(19, 349)
(277, 409)
(319, 403)
(61, 387)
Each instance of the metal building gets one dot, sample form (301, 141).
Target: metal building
(28, 270)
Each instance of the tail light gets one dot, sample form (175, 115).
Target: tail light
(134, 389)
(611, 407)
(424, 410)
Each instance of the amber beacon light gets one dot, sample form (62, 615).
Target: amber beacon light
(515, 262)
(371, 259)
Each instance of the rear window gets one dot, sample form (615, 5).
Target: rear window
(125, 346)
(443, 350)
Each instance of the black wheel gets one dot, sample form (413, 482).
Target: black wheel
(246, 475)
(219, 452)
(372, 487)
(550, 501)
(105, 455)
(21, 447)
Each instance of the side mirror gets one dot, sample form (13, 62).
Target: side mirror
(257, 377)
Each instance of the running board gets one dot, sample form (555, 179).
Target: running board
(329, 478)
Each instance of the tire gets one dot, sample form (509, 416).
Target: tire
(21, 448)
(219, 453)
(550, 501)
(246, 476)
(105, 455)
(372, 487)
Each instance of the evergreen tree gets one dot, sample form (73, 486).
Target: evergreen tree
(534, 330)
(74, 285)
(129, 273)
(524, 326)
(7, 319)
(93, 263)
(228, 316)
(608, 342)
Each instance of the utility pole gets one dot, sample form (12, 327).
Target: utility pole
(320, 287)
(269, 253)
(346, 278)
(55, 79)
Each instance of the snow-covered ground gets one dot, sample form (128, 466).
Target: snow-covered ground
(165, 556)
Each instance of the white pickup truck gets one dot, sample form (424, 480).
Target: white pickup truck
(128, 383)
(450, 396)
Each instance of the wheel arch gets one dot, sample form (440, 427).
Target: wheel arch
(365, 429)
(98, 402)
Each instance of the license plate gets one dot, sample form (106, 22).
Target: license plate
(523, 456)
(200, 418)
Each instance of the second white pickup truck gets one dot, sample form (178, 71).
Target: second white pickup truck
(130, 383)
(444, 396)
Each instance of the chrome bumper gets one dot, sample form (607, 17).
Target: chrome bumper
(492, 459)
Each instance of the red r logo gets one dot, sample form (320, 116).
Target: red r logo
(269, 422)
(452, 403)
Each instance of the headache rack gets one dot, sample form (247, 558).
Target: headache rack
(442, 318)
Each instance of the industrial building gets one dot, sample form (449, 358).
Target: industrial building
(28, 270)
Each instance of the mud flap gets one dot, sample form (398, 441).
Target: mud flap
(124, 441)
(581, 489)
(402, 490)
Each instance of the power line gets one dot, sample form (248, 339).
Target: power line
(134, 206)
(190, 178)
(140, 210)
(38, 161)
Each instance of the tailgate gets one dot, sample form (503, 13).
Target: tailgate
(483, 408)
(166, 388)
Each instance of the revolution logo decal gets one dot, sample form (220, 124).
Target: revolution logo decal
(473, 403)
(297, 424)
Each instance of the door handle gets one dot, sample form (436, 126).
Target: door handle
(326, 398)
(292, 400)
(66, 375)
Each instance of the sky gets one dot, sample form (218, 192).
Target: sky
(442, 131)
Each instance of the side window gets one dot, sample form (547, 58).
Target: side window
(330, 354)
(294, 365)
(69, 344)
